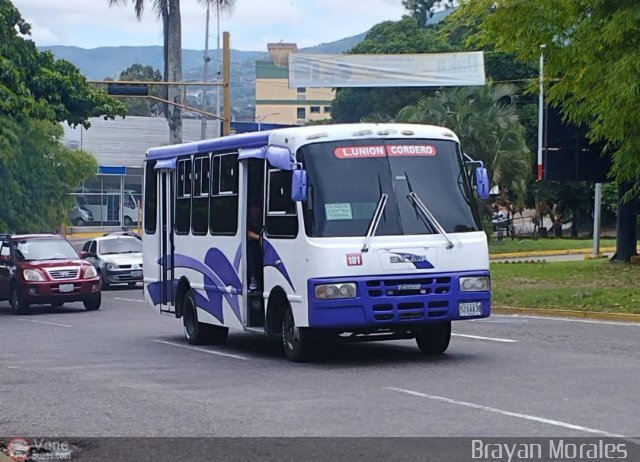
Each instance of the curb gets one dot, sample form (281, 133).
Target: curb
(546, 253)
(595, 315)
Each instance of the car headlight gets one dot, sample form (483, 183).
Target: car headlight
(90, 272)
(475, 283)
(332, 291)
(112, 266)
(32, 275)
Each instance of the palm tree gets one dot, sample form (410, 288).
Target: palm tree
(169, 12)
(487, 123)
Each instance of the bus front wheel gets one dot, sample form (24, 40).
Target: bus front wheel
(298, 342)
(198, 333)
(433, 339)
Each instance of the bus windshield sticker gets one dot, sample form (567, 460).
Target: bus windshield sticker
(359, 152)
(426, 150)
(338, 211)
(391, 150)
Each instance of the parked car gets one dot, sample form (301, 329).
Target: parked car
(40, 269)
(79, 215)
(117, 258)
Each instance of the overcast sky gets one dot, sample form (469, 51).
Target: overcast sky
(252, 24)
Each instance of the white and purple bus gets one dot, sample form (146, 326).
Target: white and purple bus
(352, 232)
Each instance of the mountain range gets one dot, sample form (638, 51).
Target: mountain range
(108, 62)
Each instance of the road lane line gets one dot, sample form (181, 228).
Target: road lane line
(130, 299)
(211, 352)
(585, 321)
(494, 410)
(493, 339)
(49, 323)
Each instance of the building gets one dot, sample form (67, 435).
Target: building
(276, 102)
(113, 197)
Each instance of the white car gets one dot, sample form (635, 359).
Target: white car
(118, 259)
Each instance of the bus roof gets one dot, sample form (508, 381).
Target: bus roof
(297, 136)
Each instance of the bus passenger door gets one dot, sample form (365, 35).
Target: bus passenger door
(166, 198)
(253, 277)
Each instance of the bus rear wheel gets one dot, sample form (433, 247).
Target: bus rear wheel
(198, 333)
(433, 339)
(299, 342)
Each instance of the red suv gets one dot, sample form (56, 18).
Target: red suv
(37, 269)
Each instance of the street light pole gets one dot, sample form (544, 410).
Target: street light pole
(203, 129)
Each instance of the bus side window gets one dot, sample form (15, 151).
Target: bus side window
(150, 197)
(282, 219)
(183, 196)
(223, 217)
(200, 208)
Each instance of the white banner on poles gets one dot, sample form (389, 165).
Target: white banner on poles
(409, 70)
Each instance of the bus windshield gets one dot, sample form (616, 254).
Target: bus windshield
(348, 177)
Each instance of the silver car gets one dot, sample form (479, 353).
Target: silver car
(118, 259)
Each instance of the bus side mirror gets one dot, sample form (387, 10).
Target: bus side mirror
(482, 182)
(299, 185)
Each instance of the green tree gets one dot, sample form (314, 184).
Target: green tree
(36, 179)
(389, 37)
(592, 58)
(143, 106)
(487, 123)
(38, 92)
(422, 10)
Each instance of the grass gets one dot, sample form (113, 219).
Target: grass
(508, 245)
(590, 285)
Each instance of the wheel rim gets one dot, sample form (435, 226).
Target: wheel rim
(290, 333)
(189, 318)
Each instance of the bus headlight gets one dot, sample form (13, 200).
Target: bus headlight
(332, 291)
(475, 283)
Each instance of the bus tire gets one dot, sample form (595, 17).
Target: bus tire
(198, 333)
(433, 339)
(298, 342)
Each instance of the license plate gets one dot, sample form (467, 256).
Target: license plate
(136, 274)
(65, 288)
(471, 309)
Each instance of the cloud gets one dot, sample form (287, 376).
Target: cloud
(92, 23)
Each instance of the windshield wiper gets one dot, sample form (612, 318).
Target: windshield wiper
(419, 205)
(375, 221)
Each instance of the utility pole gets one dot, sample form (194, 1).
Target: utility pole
(218, 58)
(203, 130)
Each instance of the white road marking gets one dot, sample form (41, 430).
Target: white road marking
(494, 410)
(211, 352)
(493, 339)
(586, 321)
(130, 299)
(46, 322)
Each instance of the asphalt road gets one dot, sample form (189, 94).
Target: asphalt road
(126, 371)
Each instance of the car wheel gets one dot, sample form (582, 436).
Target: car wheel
(79, 222)
(299, 342)
(433, 339)
(198, 333)
(132, 284)
(18, 305)
(93, 303)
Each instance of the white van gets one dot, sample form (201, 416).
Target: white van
(106, 208)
